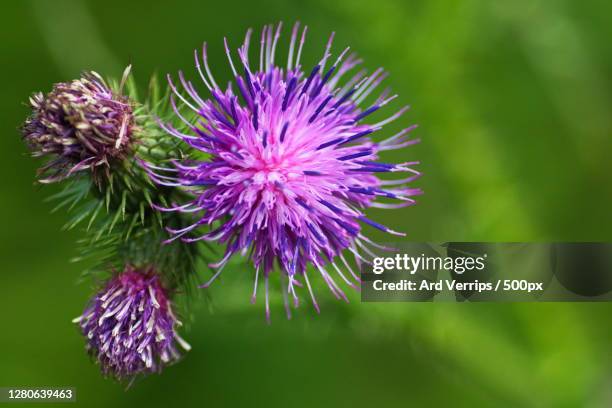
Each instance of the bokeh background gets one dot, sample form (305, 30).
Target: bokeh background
(514, 102)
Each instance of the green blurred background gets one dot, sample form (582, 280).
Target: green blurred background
(514, 102)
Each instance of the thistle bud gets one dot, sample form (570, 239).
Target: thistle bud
(79, 125)
(130, 327)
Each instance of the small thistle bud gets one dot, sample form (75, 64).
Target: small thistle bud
(79, 125)
(130, 327)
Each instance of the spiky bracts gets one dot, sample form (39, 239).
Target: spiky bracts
(81, 124)
(130, 326)
(96, 136)
(292, 165)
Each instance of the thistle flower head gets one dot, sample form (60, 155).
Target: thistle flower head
(292, 163)
(129, 326)
(79, 125)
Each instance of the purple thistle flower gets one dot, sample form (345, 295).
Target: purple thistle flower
(130, 327)
(292, 165)
(79, 125)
